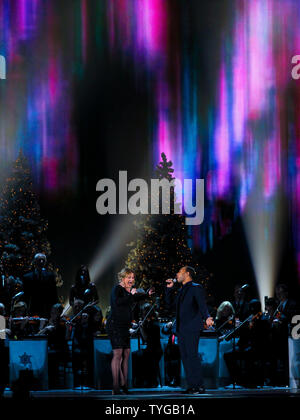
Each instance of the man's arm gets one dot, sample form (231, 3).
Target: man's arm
(200, 296)
(170, 296)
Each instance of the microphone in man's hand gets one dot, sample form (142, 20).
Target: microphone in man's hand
(244, 287)
(173, 280)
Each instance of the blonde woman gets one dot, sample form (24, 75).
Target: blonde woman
(224, 313)
(118, 323)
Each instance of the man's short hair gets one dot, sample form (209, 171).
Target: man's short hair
(59, 307)
(191, 271)
(254, 306)
(283, 287)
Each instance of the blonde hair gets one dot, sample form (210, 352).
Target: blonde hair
(124, 273)
(221, 308)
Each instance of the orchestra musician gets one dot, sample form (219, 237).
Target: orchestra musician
(123, 296)
(83, 288)
(280, 322)
(82, 344)
(21, 325)
(4, 356)
(240, 303)
(246, 362)
(224, 317)
(287, 307)
(151, 355)
(56, 332)
(172, 355)
(9, 287)
(96, 320)
(40, 288)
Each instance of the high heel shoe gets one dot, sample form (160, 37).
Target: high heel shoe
(125, 389)
(116, 392)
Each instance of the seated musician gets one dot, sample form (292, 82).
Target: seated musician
(280, 321)
(5, 332)
(96, 319)
(240, 302)
(19, 322)
(287, 307)
(246, 363)
(224, 317)
(82, 346)
(56, 332)
(172, 355)
(10, 286)
(150, 332)
(83, 288)
(4, 356)
(270, 309)
(40, 287)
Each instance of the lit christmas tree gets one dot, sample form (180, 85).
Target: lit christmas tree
(161, 247)
(22, 229)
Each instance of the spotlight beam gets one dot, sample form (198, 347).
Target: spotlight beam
(263, 225)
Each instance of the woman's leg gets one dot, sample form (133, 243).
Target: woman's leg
(116, 364)
(124, 367)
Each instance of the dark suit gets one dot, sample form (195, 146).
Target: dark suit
(191, 311)
(242, 310)
(40, 292)
(287, 310)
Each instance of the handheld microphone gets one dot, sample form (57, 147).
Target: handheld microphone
(245, 286)
(173, 280)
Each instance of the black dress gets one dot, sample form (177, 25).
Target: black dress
(120, 318)
(40, 292)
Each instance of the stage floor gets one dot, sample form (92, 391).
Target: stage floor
(163, 393)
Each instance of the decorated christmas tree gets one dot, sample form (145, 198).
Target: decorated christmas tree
(161, 245)
(22, 228)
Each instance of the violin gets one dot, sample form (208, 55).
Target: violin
(78, 316)
(60, 322)
(254, 317)
(276, 317)
(232, 333)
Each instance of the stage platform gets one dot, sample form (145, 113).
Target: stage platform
(161, 393)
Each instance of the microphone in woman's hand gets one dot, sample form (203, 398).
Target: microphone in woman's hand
(140, 291)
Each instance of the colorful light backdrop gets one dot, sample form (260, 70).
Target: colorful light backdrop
(228, 113)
